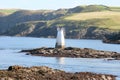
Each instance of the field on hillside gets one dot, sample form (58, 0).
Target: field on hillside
(115, 8)
(105, 19)
(8, 11)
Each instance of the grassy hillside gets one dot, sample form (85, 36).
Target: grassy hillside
(23, 16)
(89, 8)
(104, 19)
(8, 11)
(115, 8)
(92, 21)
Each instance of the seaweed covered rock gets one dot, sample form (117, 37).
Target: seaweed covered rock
(46, 73)
(72, 52)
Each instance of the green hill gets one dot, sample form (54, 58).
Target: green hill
(22, 16)
(92, 21)
(115, 9)
(89, 8)
(8, 11)
(103, 19)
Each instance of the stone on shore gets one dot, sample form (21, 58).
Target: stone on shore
(72, 52)
(46, 73)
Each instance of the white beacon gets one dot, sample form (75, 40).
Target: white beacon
(60, 42)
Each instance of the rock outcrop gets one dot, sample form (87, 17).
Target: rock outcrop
(72, 52)
(113, 38)
(46, 73)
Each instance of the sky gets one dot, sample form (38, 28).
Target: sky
(53, 4)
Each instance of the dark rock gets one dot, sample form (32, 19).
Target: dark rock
(14, 68)
(72, 52)
(46, 73)
(112, 38)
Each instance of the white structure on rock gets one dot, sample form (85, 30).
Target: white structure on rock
(60, 42)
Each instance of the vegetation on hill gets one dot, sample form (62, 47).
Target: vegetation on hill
(22, 16)
(104, 19)
(8, 11)
(89, 8)
(115, 9)
(93, 22)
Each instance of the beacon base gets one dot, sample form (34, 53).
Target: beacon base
(59, 46)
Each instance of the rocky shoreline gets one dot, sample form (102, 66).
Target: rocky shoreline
(111, 42)
(72, 52)
(46, 73)
(113, 38)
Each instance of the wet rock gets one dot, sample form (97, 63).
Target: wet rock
(72, 52)
(113, 38)
(14, 68)
(46, 73)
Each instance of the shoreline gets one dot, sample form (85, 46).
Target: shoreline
(73, 53)
(111, 42)
(45, 73)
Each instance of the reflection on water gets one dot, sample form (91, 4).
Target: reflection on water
(60, 60)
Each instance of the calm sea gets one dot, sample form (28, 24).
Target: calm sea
(10, 47)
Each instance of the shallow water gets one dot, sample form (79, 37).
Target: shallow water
(29, 43)
(10, 47)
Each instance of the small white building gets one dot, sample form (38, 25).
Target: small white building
(60, 41)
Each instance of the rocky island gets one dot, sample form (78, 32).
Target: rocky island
(46, 73)
(72, 52)
(113, 38)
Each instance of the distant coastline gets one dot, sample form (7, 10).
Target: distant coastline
(79, 22)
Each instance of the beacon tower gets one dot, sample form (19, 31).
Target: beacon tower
(60, 41)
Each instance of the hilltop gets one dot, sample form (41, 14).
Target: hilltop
(92, 21)
(5, 12)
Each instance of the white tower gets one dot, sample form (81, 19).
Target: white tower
(60, 42)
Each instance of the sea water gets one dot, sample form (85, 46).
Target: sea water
(11, 46)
